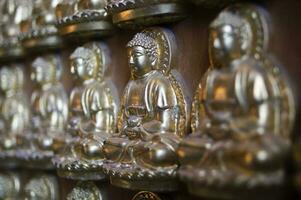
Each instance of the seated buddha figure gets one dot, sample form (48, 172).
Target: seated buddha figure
(94, 105)
(152, 119)
(15, 111)
(50, 107)
(13, 14)
(237, 142)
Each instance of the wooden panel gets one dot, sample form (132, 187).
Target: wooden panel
(192, 39)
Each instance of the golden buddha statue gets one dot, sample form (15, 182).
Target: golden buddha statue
(13, 14)
(39, 30)
(242, 115)
(154, 116)
(15, 113)
(94, 107)
(50, 109)
(41, 187)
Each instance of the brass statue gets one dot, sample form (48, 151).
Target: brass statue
(41, 187)
(50, 111)
(83, 18)
(13, 14)
(15, 113)
(94, 106)
(154, 116)
(40, 30)
(10, 185)
(87, 191)
(242, 113)
(140, 13)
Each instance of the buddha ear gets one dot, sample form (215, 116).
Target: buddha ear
(72, 69)
(154, 60)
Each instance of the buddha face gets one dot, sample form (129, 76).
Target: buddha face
(139, 60)
(83, 68)
(85, 190)
(36, 190)
(225, 43)
(42, 73)
(7, 79)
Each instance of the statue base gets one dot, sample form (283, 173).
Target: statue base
(8, 160)
(258, 193)
(35, 44)
(227, 184)
(36, 160)
(149, 15)
(11, 53)
(131, 176)
(84, 175)
(156, 185)
(86, 29)
(76, 169)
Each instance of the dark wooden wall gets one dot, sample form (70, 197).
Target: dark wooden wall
(192, 39)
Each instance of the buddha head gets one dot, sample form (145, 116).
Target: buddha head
(14, 12)
(47, 69)
(7, 79)
(41, 187)
(87, 62)
(85, 190)
(44, 11)
(230, 38)
(65, 8)
(142, 53)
